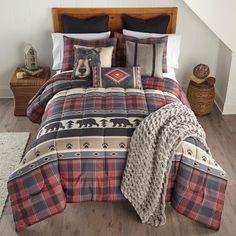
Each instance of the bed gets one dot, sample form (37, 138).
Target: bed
(82, 143)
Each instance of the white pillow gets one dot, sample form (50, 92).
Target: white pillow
(58, 45)
(173, 45)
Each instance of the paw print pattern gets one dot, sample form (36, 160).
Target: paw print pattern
(190, 152)
(105, 145)
(86, 145)
(37, 154)
(51, 147)
(69, 146)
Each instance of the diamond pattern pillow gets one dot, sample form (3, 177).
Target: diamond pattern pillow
(124, 77)
(68, 57)
(121, 48)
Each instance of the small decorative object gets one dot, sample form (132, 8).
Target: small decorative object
(30, 55)
(20, 75)
(201, 91)
(35, 73)
(211, 81)
(201, 71)
(197, 80)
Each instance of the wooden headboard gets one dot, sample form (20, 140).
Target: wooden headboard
(115, 16)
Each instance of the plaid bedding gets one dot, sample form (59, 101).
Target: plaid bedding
(81, 148)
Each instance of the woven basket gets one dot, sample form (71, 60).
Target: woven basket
(201, 98)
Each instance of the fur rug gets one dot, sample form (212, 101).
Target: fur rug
(12, 146)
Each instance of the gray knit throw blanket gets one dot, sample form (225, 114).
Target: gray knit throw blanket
(152, 148)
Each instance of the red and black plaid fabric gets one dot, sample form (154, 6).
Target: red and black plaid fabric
(121, 48)
(195, 193)
(61, 173)
(37, 195)
(68, 57)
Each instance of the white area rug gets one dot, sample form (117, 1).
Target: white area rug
(12, 146)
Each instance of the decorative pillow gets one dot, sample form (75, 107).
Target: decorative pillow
(124, 77)
(147, 56)
(173, 45)
(155, 25)
(72, 24)
(58, 44)
(104, 53)
(121, 48)
(68, 58)
(85, 59)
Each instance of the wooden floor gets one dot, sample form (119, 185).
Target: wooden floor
(104, 218)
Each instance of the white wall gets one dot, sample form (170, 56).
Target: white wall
(230, 100)
(219, 16)
(28, 21)
(222, 72)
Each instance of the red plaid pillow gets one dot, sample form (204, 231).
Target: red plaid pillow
(68, 57)
(121, 48)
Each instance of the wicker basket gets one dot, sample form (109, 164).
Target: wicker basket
(201, 98)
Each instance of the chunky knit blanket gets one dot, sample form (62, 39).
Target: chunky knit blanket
(151, 151)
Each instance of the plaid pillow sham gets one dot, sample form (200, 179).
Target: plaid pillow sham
(68, 57)
(121, 48)
(122, 77)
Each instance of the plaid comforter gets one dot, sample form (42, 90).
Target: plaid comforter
(81, 148)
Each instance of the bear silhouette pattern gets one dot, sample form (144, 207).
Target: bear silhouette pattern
(53, 127)
(137, 122)
(120, 122)
(87, 123)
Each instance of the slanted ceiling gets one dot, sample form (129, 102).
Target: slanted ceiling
(219, 16)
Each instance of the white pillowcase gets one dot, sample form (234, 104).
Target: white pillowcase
(58, 44)
(173, 45)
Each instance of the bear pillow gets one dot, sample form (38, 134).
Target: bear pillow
(85, 59)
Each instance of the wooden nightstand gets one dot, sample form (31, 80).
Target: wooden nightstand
(24, 89)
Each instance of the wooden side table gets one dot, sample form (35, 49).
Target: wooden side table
(24, 89)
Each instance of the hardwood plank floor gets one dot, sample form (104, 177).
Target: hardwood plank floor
(119, 218)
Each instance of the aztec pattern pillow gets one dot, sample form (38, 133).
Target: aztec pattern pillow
(124, 77)
(155, 25)
(68, 57)
(85, 59)
(121, 48)
(147, 56)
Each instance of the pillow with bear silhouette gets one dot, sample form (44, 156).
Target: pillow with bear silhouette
(85, 59)
(68, 56)
(123, 77)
